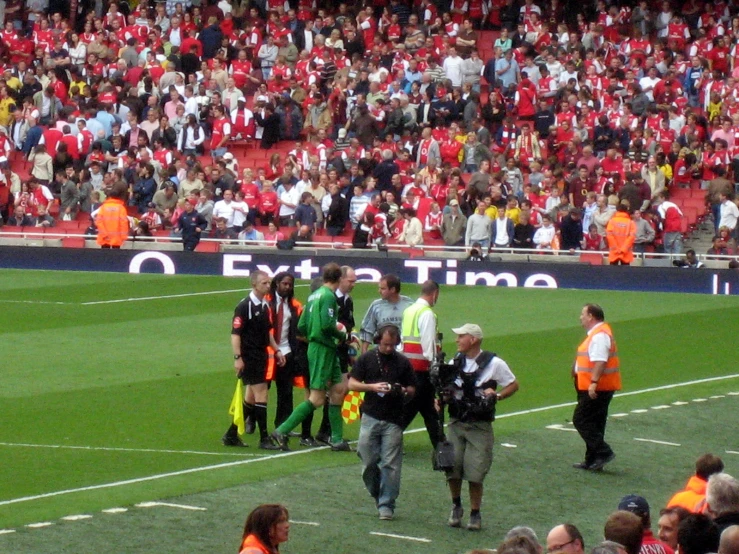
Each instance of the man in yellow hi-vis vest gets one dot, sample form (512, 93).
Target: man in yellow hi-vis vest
(419, 330)
(597, 377)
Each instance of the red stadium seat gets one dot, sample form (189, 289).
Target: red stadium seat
(73, 242)
(208, 246)
(591, 258)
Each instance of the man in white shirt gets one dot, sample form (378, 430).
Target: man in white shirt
(648, 83)
(729, 212)
(453, 68)
(289, 198)
(224, 208)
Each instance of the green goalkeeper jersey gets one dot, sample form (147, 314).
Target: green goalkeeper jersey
(319, 318)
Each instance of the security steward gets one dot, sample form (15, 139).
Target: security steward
(251, 336)
(387, 379)
(471, 397)
(419, 333)
(597, 376)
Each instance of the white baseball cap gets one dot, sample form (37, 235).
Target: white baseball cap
(469, 329)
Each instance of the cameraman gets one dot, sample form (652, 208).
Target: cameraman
(471, 396)
(387, 379)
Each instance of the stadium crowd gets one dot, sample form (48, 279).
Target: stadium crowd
(392, 121)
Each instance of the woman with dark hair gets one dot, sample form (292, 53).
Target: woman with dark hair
(266, 527)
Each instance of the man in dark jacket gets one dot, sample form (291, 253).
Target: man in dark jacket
(571, 230)
(385, 170)
(338, 212)
(211, 38)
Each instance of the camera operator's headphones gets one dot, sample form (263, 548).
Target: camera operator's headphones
(388, 328)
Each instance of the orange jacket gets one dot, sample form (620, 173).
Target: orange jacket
(692, 497)
(252, 542)
(621, 234)
(112, 223)
(610, 379)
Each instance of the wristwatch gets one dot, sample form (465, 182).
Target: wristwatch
(237, 356)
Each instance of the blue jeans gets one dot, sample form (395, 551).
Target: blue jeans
(380, 448)
(673, 243)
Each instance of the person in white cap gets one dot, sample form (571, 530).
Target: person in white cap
(471, 398)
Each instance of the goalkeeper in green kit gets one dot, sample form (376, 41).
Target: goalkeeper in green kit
(319, 325)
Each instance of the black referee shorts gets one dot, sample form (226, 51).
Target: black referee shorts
(255, 367)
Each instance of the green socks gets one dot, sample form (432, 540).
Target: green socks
(303, 410)
(337, 423)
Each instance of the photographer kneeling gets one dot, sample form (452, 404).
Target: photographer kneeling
(387, 379)
(470, 393)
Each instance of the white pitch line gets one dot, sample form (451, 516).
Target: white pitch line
(170, 505)
(732, 452)
(117, 449)
(658, 442)
(617, 415)
(662, 407)
(6, 531)
(225, 465)
(39, 525)
(639, 411)
(680, 403)
(5, 301)
(733, 393)
(115, 511)
(311, 523)
(508, 445)
(700, 399)
(165, 296)
(403, 537)
(79, 517)
(162, 297)
(717, 396)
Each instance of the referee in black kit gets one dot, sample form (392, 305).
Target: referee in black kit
(251, 336)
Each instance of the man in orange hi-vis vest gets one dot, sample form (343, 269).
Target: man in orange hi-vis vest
(597, 377)
(621, 235)
(111, 219)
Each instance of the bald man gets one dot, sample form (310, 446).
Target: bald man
(565, 538)
(729, 541)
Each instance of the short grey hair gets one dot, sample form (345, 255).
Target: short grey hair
(522, 531)
(722, 494)
(387, 154)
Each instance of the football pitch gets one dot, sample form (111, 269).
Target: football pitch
(115, 391)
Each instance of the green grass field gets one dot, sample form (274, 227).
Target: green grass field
(115, 388)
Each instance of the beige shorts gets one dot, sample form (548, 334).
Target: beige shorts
(473, 450)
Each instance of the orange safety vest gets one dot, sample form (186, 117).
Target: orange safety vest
(298, 380)
(610, 379)
(251, 541)
(692, 497)
(112, 223)
(621, 234)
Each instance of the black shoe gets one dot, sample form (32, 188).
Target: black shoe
(267, 444)
(341, 446)
(232, 440)
(280, 440)
(581, 465)
(599, 463)
(310, 442)
(250, 425)
(324, 438)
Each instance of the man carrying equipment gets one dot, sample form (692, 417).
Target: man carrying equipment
(319, 325)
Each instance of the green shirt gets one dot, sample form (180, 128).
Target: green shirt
(319, 318)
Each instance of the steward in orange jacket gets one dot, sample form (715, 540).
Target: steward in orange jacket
(112, 218)
(621, 234)
(693, 497)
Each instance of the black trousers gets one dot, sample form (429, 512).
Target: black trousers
(423, 402)
(284, 382)
(590, 421)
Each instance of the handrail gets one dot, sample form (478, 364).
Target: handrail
(393, 247)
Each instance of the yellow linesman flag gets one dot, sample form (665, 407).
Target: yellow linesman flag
(350, 408)
(236, 410)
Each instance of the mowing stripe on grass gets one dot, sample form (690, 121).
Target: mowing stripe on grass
(117, 449)
(311, 523)
(403, 537)
(657, 442)
(307, 451)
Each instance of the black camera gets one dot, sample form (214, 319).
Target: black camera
(442, 375)
(396, 389)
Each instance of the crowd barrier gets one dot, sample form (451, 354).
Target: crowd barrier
(306, 264)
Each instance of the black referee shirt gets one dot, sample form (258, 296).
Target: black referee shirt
(253, 323)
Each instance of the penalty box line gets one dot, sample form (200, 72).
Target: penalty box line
(226, 465)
